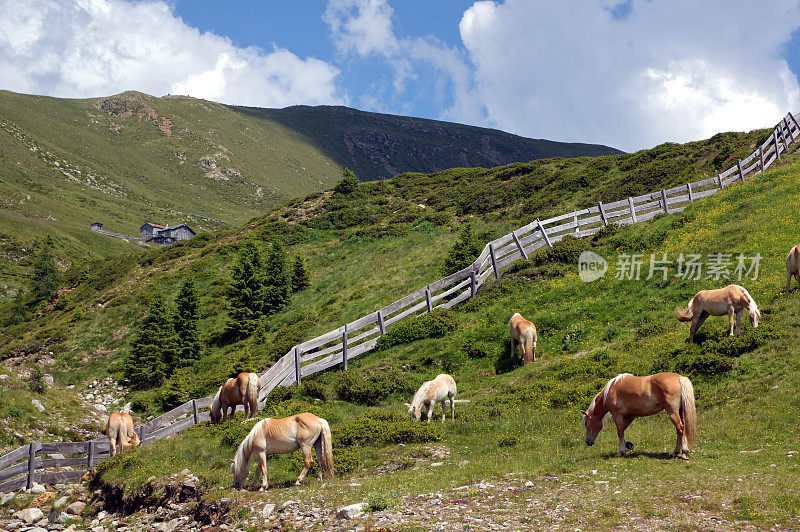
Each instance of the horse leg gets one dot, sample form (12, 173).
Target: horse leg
(430, 410)
(788, 281)
(681, 450)
(113, 446)
(452, 408)
(622, 423)
(699, 319)
(307, 462)
(511, 354)
(739, 323)
(731, 315)
(262, 467)
(318, 451)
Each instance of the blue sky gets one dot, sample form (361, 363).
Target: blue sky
(626, 73)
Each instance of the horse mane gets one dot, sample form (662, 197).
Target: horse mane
(421, 394)
(604, 392)
(752, 307)
(215, 403)
(242, 457)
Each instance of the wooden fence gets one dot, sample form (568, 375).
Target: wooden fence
(25, 465)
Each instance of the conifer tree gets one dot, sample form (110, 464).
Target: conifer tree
(301, 277)
(186, 319)
(154, 348)
(464, 251)
(246, 292)
(44, 283)
(348, 184)
(277, 281)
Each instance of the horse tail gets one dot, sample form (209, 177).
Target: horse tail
(530, 344)
(685, 315)
(122, 434)
(325, 457)
(253, 384)
(688, 412)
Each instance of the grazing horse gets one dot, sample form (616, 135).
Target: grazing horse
(121, 435)
(792, 267)
(524, 332)
(282, 436)
(439, 390)
(243, 390)
(627, 397)
(730, 300)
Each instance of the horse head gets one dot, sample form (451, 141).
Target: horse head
(593, 426)
(414, 412)
(214, 414)
(755, 315)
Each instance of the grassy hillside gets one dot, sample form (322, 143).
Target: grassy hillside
(377, 146)
(523, 423)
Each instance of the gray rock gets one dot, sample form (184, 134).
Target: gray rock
(6, 498)
(29, 515)
(529, 484)
(36, 529)
(351, 512)
(57, 516)
(127, 408)
(268, 509)
(60, 502)
(100, 408)
(48, 379)
(58, 456)
(101, 516)
(168, 526)
(288, 503)
(37, 405)
(76, 508)
(37, 489)
(3, 377)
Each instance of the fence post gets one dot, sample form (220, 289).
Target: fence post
(788, 131)
(195, 411)
(761, 158)
(794, 120)
(783, 139)
(602, 212)
(719, 181)
(381, 325)
(472, 284)
(664, 199)
(90, 457)
(32, 449)
(544, 233)
(519, 245)
(739, 167)
(633, 211)
(494, 261)
(575, 219)
(140, 429)
(428, 298)
(297, 365)
(689, 188)
(344, 347)
(775, 141)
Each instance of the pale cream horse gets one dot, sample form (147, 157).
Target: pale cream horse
(120, 432)
(439, 390)
(524, 333)
(792, 267)
(627, 397)
(243, 390)
(282, 436)
(730, 300)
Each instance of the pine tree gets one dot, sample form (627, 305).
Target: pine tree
(246, 292)
(464, 251)
(277, 282)
(301, 277)
(45, 276)
(154, 349)
(186, 319)
(348, 184)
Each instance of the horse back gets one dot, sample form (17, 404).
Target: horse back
(644, 396)
(793, 260)
(520, 325)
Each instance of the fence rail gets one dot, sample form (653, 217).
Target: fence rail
(23, 466)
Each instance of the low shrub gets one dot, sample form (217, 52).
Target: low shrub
(370, 390)
(344, 461)
(433, 325)
(36, 380)
(381, 500)
(699, 362)
(479, 349)
(572, 337)
(378, 431)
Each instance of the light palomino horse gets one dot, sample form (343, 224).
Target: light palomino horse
(792, 267)
(121, 435)
(282, 436)
(627, 397)
(243, 390)
(439, 390)
(730, 300)
(524, 333)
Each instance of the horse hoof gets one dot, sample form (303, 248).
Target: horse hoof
(629, 445)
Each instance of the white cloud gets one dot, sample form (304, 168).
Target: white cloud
(99, 47)
(670, 70)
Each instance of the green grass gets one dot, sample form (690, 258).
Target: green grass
(742, 470)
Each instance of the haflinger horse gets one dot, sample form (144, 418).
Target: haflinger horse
(439, 390)
(730, 300)
(282, 436)
(626, 397)
(243, 390)
(524, 332)
(792, 267)
(121, 435)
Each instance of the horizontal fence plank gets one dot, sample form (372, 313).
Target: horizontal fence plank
(275, 368)
(170, 430)
(403, 302)
(17, 454)
(169, 417)
(16, 469)
(464, 295)
(205, 402)
(453, 289)
(14, 485)
(62, 462)
(355, 325)
(408, 311)
(65, 447)
(54, 477)
(323, 339)
(675, 200)
(452, 278)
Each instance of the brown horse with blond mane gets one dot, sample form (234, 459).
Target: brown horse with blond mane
(524, 333)
(120, 432)
(243, 390)
(792, 267)
(626, 397)
(730, 300)
(282, 436)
